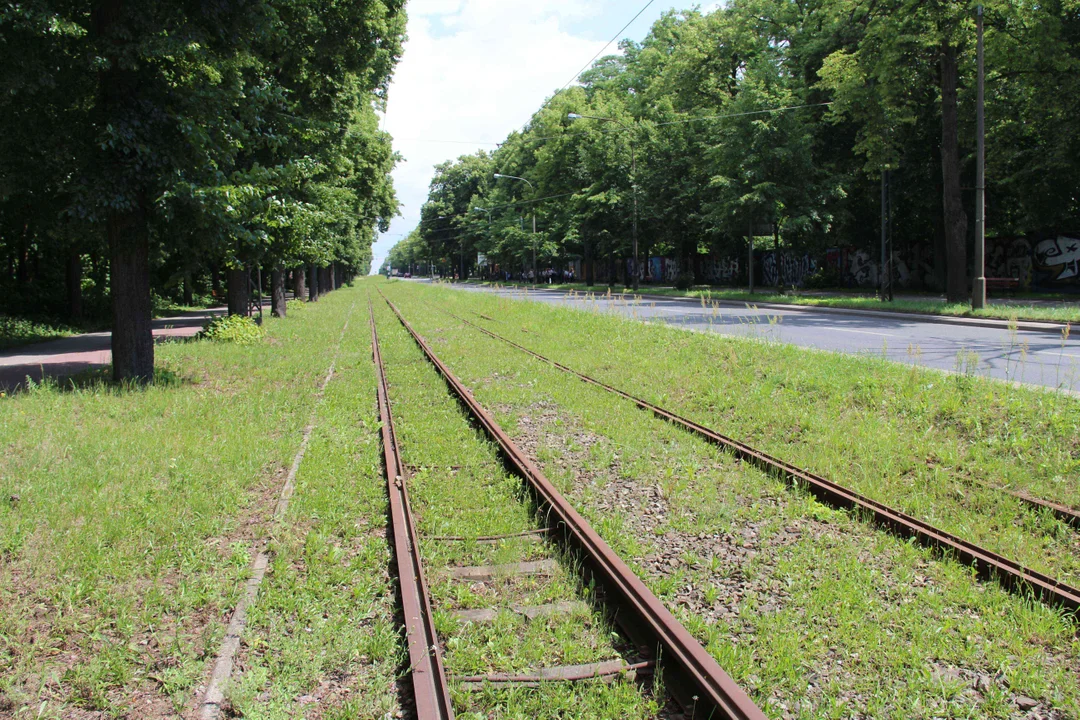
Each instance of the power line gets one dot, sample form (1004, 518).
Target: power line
(586, 67)
(594, 57)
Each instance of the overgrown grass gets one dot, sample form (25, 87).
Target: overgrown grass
(937, 447)
(818, 613)
(127, 517)
(460, 489)
(19, 331)
(322, 636)
(995, 309)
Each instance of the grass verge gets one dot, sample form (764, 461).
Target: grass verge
(322, 639)
(1067, 312)
(19, 331)
(127, 517)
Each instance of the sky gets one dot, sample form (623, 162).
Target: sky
(475, 70)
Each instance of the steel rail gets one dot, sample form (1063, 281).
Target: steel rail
(988, 564)
(694, 678)
(1062, 512)
(430, 688)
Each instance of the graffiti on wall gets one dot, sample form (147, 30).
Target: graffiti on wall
(1057, 260)
(719, 271)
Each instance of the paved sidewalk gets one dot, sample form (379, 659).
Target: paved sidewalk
(69, 356)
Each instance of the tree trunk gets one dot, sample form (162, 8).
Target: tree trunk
(776, 251)
(300, 276)
(277, 292)
(955, 217)
(129, 271)
(313, 284)
(189, 291)
(589, 277)
(74, 284)
(238, 291)
(215, 281)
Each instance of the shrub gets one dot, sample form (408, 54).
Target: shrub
(295, 305)
(238, 329)
(684, 281)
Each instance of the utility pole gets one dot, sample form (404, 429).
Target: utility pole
(750, 261)
(885, 281)
(978, 289)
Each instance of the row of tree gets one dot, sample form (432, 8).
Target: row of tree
(156, 148)
(780, 113)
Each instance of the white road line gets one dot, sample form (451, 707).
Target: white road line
(1056, 353)
(863, 332)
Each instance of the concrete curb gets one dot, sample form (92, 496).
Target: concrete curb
(1025, 325)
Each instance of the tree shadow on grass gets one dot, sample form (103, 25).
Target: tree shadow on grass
(96, 379)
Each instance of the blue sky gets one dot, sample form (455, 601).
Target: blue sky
(474, 70)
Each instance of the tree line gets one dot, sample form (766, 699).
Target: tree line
(783, 115)
(162, 150)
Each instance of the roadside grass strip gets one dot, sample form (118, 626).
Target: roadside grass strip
(128, 518)
(1065, 312)
(813, 611)
(460, 492)
(939, 448)
(322, 640)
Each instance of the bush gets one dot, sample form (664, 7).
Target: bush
(294, 306)
(238, 329)
(684, 281)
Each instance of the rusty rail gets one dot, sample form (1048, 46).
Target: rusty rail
(988, 564)
(1062, 512)
(692, 676)
(430, 689)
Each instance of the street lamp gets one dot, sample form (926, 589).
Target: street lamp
(536, 275)
(978, 289)
(633, 180)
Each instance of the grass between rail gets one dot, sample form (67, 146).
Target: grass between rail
(128, 517)
(322, 639)
(460, 489)
(1014, 309)
(936, 447)
(814, 611)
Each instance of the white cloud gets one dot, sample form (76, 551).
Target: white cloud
(473, 71)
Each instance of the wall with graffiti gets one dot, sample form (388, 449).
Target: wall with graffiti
(1041, 263)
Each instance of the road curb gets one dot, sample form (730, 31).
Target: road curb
(991, 323)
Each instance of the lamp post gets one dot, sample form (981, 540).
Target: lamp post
(483, 210)
(978, 290)
(536, 275)
(633, 181)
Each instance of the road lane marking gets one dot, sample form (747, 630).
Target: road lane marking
(864, 332)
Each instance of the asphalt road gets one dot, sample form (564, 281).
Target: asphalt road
(1032, 357)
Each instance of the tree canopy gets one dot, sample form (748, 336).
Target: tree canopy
(782, 114)
(145, 148)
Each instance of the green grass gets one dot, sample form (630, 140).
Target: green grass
(937, 447)
(128, 517)
(812, 597)
(460, 489)
(19, 331)
(322, 636)
(995, 309)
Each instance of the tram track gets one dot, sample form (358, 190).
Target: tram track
(988, 564)
(694, 679)
(431, 691)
